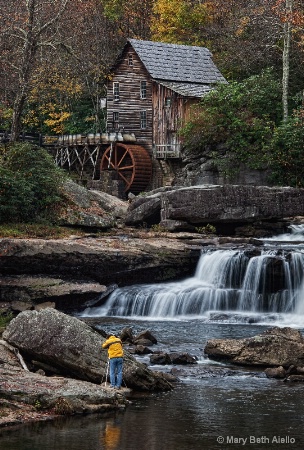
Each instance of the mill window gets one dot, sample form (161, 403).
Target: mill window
(116, 120)
(130, 60)
(116, 91)
(143, 120)
(168, 102)
(143, 89)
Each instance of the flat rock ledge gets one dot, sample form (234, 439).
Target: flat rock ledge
(124, 258)
(26, 396)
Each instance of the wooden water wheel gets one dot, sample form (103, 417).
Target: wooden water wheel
(132, 164)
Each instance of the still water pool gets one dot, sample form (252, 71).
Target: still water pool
(214, 406)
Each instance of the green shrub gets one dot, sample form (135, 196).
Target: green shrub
(16, 196)
(287, 151)
(30, 184)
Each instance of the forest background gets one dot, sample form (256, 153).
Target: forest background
(56, 58)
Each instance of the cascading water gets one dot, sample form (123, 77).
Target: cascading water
(250, 281)
(225, 280)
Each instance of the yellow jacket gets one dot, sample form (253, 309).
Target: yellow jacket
(114, 346)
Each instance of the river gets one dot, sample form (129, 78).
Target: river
(213, 405)
(212, 402)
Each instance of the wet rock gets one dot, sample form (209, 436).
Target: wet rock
(19, 306)
(275, 372)
(231, 203)
(170, 377)
(144, 211)
(299, 370)
(294, 373)
(204, 371)
(126, 335)
(45, 305)
(275, 347)
(182, 358)
(160, 358)
(32, 394)
(142, 350)
(172, 358)
(145, 338)
(143, 342)
(299, 378)
(293, 369)
(73, 348)
(99, 261)
(248, 210)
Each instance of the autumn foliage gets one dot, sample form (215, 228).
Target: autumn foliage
(55, 56)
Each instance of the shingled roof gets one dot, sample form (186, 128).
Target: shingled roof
(188, 70)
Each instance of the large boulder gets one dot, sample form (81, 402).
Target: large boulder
(90, 208)
(229, 203)
(274, 347)
(73, 349)
(220, 205)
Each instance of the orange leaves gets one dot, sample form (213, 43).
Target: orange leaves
(290, 11)
(57, 120)
(244, 22)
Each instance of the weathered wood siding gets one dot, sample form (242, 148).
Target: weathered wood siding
(170, 112)
(130, 104)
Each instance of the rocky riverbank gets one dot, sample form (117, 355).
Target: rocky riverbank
(52, 364)
(40, 277)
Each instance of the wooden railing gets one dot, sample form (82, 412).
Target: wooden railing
(71, 139)
(167, 151)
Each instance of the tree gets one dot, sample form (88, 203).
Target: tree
(179, 21)
(28, 25)
(131, 17)
(291, 15)
(73, 43)
(235, 123)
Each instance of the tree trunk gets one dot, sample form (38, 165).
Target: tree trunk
(25, 70)
(286, 58)
(17, 115)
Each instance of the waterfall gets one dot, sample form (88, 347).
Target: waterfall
(225, 280)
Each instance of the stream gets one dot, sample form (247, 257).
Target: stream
(234, 293)
(212, 401)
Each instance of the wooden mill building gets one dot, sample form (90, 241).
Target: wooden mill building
(152, 87)
(150, 93)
